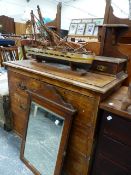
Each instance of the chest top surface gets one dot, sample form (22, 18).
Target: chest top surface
(114, 102)
(92, 81)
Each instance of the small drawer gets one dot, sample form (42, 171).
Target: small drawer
(115, 151)
(117, 127)
(18, 124)
(103, 166)
(19, 104)
(21, 83)
(17, 82)
(34, 85)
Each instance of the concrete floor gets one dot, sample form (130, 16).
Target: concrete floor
(10, 163)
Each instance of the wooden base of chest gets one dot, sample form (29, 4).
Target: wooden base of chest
(83, 93)
(82, 130)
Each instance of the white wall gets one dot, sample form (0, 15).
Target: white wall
(20, 9)
(71, 9)
(82, 9)
(121, 8)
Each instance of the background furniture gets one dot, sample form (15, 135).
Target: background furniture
(8, 25)
(5, 112)
(3, 91)
(56, 23)
(115, 37)
(7, 42)
(20, 28)
(8, 54)
(113, 150)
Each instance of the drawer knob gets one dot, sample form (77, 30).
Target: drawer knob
(109, 118)
(22, 86)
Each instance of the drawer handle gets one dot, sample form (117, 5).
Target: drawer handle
(109, 118)
(23, 107)
(22, 86)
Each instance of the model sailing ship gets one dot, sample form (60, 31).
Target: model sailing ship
(51, 45)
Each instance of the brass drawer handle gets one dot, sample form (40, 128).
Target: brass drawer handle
(22, 86)
(101, 68)
(23, 107)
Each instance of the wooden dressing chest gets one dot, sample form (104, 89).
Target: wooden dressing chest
(84, 93)
(113, 150)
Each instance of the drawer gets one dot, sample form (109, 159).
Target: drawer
(17, 82)
(21, 83)
(117, 127)
(103, 166)
(115, 151)
(81, 139)
(19, 104)
(18, 124)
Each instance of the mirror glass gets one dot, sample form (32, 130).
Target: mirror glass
(43, 139)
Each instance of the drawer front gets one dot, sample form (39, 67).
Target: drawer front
(117, 127)
(103, 166)
(19, 104)
(18, 124)
(115, 151)
(17, 82)
(19, 111)
(21, 83)
(106, 67)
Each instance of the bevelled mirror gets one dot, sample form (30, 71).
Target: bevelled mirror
(46, 133)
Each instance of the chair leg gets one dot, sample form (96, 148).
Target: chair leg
(35, 110)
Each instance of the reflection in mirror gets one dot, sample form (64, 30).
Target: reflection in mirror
(120, 8)
(43, 139)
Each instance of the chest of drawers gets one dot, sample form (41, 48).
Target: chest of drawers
(85, 98)
(113, 150)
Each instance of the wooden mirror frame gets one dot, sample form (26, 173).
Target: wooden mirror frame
(57, 106)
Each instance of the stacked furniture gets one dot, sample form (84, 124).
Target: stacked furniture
(6, 54)
(8, 25)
